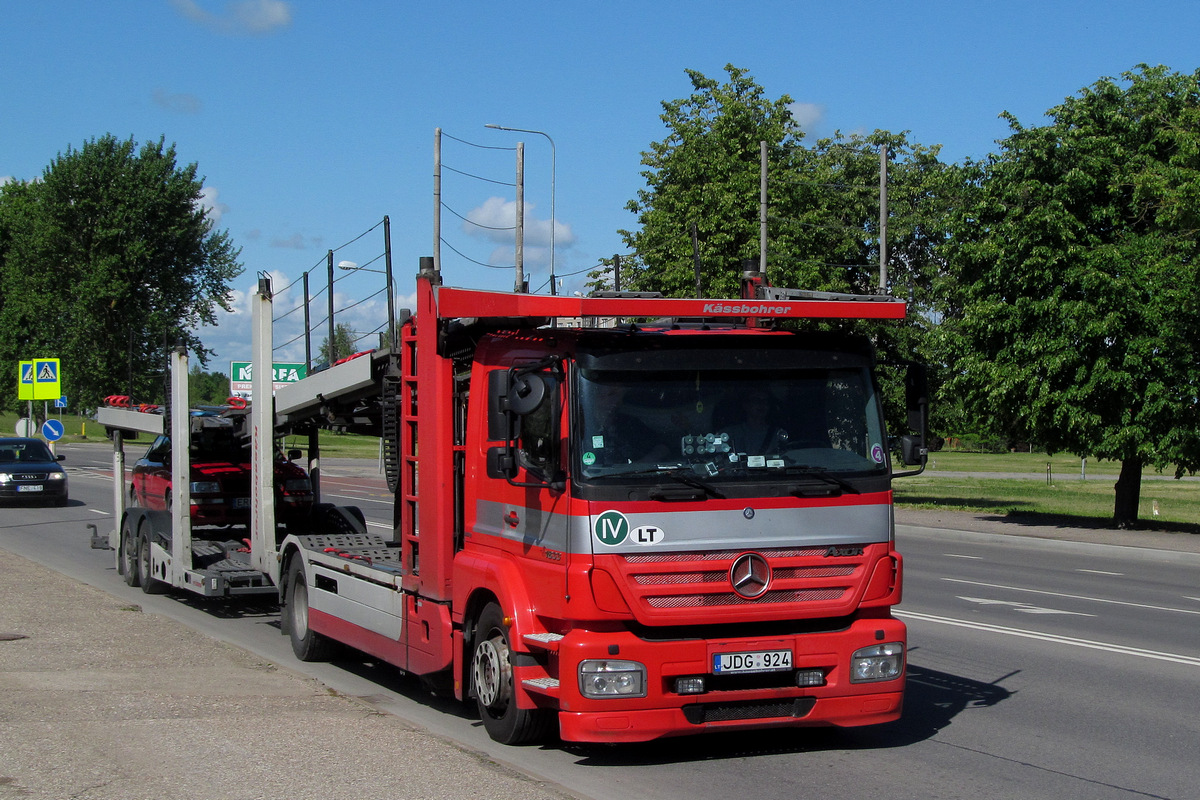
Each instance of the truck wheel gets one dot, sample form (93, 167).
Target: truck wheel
(308, 645)
(150, 584)
(127, 564)
(495, 692)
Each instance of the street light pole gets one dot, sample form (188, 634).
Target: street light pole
(553, 169)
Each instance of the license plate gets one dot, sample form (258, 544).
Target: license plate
(30, 488)
(241, 502)
(758, 661)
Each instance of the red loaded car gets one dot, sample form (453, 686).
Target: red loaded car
(220, 477)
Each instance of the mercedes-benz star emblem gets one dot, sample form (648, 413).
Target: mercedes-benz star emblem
(750, 575)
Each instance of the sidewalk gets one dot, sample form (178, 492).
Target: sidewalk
(100, 701)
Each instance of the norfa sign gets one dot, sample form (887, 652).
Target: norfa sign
(241, 373)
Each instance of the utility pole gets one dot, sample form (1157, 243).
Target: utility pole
(762, 211)
(520, 249)
(883, 215)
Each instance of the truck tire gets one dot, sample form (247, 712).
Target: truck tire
(150, 584)
(127, 562)
(307, 644)
(493, 686)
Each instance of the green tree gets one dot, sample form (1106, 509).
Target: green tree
(706, 174)
(823, 200)
(344, 344)
(823, 208)
(1074, 318)
(108, 261)
(207, 388)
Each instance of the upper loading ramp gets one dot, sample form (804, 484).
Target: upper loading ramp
(335, 393)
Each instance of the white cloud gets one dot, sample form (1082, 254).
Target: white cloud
(214, 208)
(495, 221)
(808, 115)
(240, 16)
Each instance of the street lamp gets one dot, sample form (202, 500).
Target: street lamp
(391, 303)
(553, 219)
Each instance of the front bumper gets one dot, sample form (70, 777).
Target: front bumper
(663, 712)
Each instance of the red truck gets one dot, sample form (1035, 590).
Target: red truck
(597, 534)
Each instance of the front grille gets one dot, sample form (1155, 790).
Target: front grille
(665, 582)
(701, 713)
(733, 599)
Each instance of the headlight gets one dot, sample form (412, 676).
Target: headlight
(57, 476)
(881, 662)
(205, 487)
(608, 678)
(297, 485)
(5, 477)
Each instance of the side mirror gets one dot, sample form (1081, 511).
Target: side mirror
(916, 397)
(295, 455)
(912, 450)
(501, 462)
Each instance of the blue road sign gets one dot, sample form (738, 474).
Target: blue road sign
(53, 429)
(61, 402)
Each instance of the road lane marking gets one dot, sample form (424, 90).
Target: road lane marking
(958, 555)
(1023, 608)
(1107, 647)
(1074, 596)
(1102, 572)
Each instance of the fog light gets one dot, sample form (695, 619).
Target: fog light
(693, 685)
(881, 662)
(609, 678)
(810, 677)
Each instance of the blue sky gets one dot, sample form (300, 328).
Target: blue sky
(310, 120)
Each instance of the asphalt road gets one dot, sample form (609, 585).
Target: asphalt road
(1039, 667)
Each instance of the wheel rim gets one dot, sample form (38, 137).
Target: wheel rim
(492, 672)
(144, 560)
(300, 608)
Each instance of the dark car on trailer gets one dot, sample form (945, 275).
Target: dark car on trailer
(30, 473)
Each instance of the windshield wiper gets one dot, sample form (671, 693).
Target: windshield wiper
(678, 473)
(835, 485)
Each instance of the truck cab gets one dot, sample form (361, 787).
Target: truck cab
(701, 519)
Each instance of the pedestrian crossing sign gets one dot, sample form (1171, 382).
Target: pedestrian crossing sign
(39, 379)
(25, 380)
(46, 382)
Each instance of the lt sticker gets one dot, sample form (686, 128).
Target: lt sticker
(647, 534)
(611, 528)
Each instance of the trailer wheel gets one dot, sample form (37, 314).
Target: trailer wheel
(494, 689)
(307, 644)
(127, 564)
(150, 584)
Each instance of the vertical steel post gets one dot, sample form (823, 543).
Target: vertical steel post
(330, 354)
(520, 244)
(762, 210)
(883, 215)
(391, 288)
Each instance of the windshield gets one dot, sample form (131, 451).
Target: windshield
(717, 424)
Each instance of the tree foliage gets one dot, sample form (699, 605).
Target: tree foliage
(207, 388)
(824, 200)
(344, 344)
(823, 207)
(105, 263)
(1073, 311)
